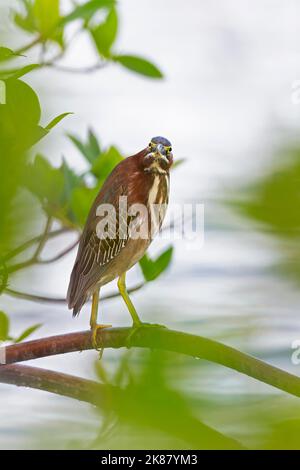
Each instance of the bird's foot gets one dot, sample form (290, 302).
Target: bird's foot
(138, 326)
(94, 329)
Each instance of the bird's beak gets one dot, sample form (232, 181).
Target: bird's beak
(160, 152)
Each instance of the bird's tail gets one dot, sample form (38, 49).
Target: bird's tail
(75, 301)
(78, 306)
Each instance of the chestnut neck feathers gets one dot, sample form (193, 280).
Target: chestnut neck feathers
(130, 179)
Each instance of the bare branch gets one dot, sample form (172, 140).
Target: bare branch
(29, 243)
(22, 265)
(158, 338)
(33, 297)
(62, 300)
(108, 397)
(81, 70)
(43, 239)
(28, 46)
(59, 255)
(55, 382)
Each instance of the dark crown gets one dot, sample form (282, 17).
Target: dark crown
(161, 140)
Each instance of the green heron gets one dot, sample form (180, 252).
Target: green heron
(114, 239)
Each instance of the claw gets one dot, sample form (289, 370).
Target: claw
(94, 330)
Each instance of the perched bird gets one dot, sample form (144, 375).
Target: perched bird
(114, 239)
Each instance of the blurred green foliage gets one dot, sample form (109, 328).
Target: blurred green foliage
(272, 203)
(19, 129)
(146, 406)
(274, 200)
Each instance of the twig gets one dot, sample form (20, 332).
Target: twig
(35, 259)
(43, 239)
(22, 265)
(158, 338)
(29, 243)
(33, 43)
(34, 298)
(59, 255)
(64, 68)
(62, 300)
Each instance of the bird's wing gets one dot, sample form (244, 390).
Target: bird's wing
(99, 250)
(95, 252)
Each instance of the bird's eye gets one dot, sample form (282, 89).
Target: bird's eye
(169, 149)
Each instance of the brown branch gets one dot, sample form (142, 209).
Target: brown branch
(56, 382)
(158, 338)
(108, 398)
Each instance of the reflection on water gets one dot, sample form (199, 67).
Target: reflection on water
(222, 111)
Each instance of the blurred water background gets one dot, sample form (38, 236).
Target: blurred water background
(226, 104)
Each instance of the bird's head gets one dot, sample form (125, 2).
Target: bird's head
(158, 156)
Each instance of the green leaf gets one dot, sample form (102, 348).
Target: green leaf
(56, 120)
(139, 65)
(27, 332)
(43, 131)
(45, 181)
(91, 149)
(105, 33)
(43, 17)
(87, 10)
(27, 22)
(105, 163)
(46, 15)
(6, 53)
(20, 116)
(81, 202)
(4, 326)
(71, 181)
(178, 162)
(93, 145)
(40, 133)
(80, 145)
(19, 72)
(153, 268)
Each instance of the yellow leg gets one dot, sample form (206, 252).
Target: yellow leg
(137, 323)
(123, 291)
(93, 320)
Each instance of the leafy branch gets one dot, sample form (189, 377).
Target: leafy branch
(44, 21)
